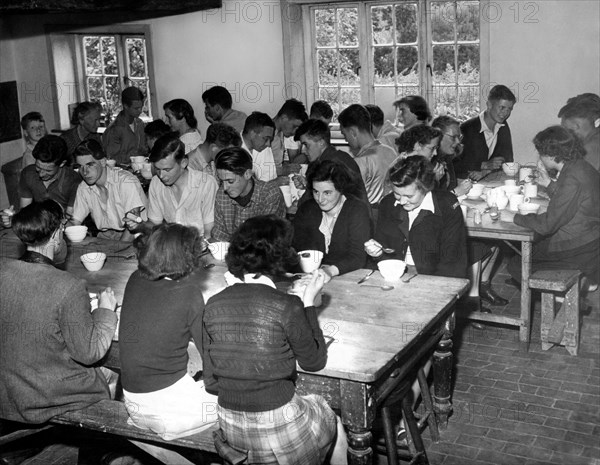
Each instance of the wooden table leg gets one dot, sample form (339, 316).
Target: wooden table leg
(442, 375)
(358, 412)
(525, 328)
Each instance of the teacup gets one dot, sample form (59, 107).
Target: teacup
(310, 260)
(516, 200)
(530, 189)
(510, 190)
(510, 182)
(476, 190)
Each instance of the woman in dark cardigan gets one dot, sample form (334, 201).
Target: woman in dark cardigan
(334, 221)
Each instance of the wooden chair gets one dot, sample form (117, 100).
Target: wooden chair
(563, 328)
(416, 450)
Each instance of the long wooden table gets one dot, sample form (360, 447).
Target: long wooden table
(507, 232)
(379, 336)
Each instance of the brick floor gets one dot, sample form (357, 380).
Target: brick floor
(510, 407)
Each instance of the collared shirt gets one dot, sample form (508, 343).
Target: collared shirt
(491, 137)
(374, 161)
(194, 208)
(63, 189)
(229, 214)
(234, 118)
(191, 140)
(428, 205)
(124, 194)
(263, 165)
(249, 278)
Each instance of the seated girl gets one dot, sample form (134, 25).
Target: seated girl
(569, 231)
(422, 140)
(161, 314)
(334, 221)
(254, 335)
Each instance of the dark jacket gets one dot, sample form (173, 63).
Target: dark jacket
(573, 216)
(475, 150)
(48, 342)
(352, 229)
(438, 241)
(120, 142)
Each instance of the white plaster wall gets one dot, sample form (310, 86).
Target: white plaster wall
(548, 52)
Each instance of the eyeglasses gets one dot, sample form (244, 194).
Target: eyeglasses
(456, 137)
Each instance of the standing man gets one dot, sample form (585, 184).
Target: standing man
(257, 136)
(49, 338)
(125, 137)
(107, 194)
(241, 195)
(486, 138)
(289, 118)
(178, 194)
(217, 108)
(372, 157)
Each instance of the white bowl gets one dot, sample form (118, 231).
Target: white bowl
(527, 208)
(219, 250)
(310, 260)
(93, 261)
(391, 270)
(510, 169)
(76, 233)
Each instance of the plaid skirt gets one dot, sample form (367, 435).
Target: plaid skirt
(300, 432)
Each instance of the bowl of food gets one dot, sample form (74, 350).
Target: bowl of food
(93, 261)
(76, 233)
(218, 250)
(391, 270)
(510, 169)
(527, 208)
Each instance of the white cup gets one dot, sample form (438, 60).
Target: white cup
(510, 182)
(515, 200)
(310, 260)
(530, 189)
(287, 195)
(526, 173)
(476, 190)
(512, 190)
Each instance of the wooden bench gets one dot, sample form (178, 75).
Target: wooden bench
(563, 328)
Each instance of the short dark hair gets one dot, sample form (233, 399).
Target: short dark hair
(132, 94)
(345, 181)
(421, 133)
(218, 95)
(415, 169)
(321, 109)
(157, 128)
(585, 106)
(444, 122)
(166, 145)
(417, 106)
(82, 109)
(501, 92)
(223, 135)
(51, 149)
(170, 251)
(35, 223)
(314, 129)
(293, 109)
(31, 116)
(234, 159)
(559, 143)
(90, 147)
(256, 121)
(182, 110)
(356, 115)
(376, 114)
(262, 245)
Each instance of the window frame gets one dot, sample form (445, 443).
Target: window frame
(366, 73)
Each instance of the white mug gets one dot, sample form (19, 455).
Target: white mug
(510, 182)
(526, 173)
(515, 200)
(530, 189)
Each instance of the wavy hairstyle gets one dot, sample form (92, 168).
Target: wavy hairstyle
(417, 106)
(422, 134)
(262, 245)
(415, 169)
(344, 180)
(170, 251)
(182, 109)
(559, 143)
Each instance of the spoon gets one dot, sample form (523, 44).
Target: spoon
(385, 287)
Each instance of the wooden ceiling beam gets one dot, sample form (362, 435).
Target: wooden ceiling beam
(83, 6)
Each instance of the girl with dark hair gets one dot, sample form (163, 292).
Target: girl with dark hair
(253, 337)
(569, 231)
(412, 111)
(334, 220)
(422, 140)
(163, 301)
(180, 116)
